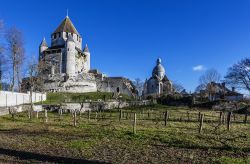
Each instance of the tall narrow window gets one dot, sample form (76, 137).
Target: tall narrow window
(59, 34)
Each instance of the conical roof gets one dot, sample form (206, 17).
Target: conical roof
(86, 49)
(44, 43)
(66, 26)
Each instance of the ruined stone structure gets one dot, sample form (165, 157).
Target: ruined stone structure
(158, 84)
(65, 66)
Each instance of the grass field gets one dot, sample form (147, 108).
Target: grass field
(57, 98)
(104, 138)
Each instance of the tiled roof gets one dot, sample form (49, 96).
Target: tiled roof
(66, 26)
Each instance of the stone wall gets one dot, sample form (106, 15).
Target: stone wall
(115, 85)
(95, 106)
(14, 98)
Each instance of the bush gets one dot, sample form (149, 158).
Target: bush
(175, 100)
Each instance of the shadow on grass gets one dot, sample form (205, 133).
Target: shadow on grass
(22, 155)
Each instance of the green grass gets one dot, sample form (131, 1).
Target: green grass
(57, 98)
(108, 139)
(228, 160)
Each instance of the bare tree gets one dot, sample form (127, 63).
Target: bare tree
(14, 39)
(207, 82)
(138, 85)
(239, 75)
(2, 63)
(178, 87)
(32, 71)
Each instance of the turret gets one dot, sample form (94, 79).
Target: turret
(43, 46)
(70, 56)
(87, 54)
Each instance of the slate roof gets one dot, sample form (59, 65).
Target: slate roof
(86, 49)
(67, 26)
(44, 43)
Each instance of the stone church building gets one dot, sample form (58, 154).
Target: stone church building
(158, 84)
(65, 66)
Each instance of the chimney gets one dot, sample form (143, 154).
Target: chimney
(233, 89)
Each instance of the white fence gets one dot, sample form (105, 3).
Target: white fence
(14, 98)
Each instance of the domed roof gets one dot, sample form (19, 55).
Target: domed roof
(159, 70)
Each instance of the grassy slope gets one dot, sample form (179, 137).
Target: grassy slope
(112, 141)
(57, 98)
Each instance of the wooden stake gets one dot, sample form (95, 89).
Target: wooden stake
(166, 117)
(245, 121)
(88, 114)
(134, 124)
(46, 115)
(96, 115)
(201, 123)
(229, 120)
(74, 118)
(120, 116)
(199, 116)
(60, 113)
(221, 118)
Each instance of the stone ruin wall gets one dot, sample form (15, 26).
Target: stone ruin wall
(112, 85)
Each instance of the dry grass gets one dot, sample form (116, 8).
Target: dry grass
(107, 139)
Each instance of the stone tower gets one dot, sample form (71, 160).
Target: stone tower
(43, 46)
(87, 54)
(70, 56)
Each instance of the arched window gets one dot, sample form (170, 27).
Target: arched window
(117, 89)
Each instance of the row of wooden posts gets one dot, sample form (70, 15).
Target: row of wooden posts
(166, 118)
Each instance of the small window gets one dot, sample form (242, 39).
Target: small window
(117, 89)
(54, 36)
(59, 34)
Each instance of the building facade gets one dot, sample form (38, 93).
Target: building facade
(158, 84)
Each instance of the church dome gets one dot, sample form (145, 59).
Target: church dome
(159, 70)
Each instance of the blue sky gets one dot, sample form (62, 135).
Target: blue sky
(125, 37)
